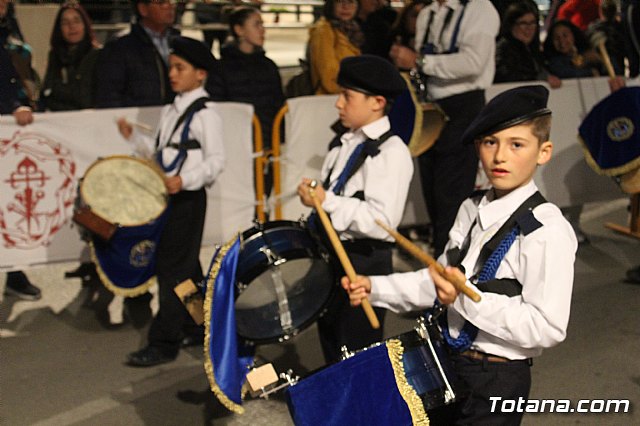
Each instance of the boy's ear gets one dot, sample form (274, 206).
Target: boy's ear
(544, 152)
(201, 74)
(381, 101)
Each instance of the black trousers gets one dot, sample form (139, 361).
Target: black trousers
(178, 260)
(344, 325)
(482, 380)
(448, 169)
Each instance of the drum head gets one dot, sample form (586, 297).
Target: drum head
(124, 190)
(284, 282)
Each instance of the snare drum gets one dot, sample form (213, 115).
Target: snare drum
(393, 382)
(285, 279)
(129, 194)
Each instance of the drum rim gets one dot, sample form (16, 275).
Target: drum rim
(260, 232)
(142, 161)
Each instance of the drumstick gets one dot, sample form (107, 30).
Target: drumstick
(342, 254)
(599, 39)
(419, 254)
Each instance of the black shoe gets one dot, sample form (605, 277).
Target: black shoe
(19, 285)
(148, 357)
(86, 271)
(633, 275)
(191, 340)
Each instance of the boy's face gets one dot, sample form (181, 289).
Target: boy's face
(183, 76)
(357, 109)
(510, 157)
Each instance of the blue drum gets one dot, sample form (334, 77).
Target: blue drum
(393, 382)
(285, 279)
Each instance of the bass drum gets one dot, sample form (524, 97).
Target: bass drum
(285, 279)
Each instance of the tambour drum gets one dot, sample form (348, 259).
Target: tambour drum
(284, 281)
(123, 202)
(124, 190)
(393, 382)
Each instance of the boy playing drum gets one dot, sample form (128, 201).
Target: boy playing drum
(510, 245)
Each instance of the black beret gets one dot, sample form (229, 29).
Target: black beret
(371, 75)
(193, 51)
(509, 108)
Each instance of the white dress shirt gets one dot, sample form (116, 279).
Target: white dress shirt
(516, 327)
(202, 166)
(473, 66)
(384, 179)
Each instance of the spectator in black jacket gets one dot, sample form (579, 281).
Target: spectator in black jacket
(132, 70)
(69, 82)
(12, 102)
(518, 53)
(246, 74)
(376, 18)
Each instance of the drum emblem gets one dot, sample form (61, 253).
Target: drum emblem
(37, 180)
(620, 129)
(142, 253)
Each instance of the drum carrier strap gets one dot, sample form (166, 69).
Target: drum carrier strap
(185, 143)
(368, 148)
(491, 255)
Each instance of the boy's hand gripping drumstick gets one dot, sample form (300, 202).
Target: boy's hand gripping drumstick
(419, 254)
(342, 254)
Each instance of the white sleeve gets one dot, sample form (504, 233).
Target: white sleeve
(403, 292)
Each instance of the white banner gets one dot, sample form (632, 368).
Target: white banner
(42, 164)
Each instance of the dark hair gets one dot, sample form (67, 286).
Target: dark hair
(516, 11)
(329, 9)
(579, 38)
(57, 40)
(399, 27)
(239, 16)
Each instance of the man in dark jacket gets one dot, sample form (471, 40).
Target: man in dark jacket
(132, 70)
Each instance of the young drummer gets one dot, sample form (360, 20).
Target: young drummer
(189, 148)
(365, 176)
(513, 248)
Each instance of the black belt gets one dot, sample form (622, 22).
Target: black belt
(481, 356)
(366, 245)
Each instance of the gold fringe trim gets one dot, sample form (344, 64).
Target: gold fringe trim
(119, 291)
(616, 171)
(395, 350)
(208, 305)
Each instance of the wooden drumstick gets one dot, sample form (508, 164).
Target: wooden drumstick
(599, 39)
(342, 254)
(419, 254)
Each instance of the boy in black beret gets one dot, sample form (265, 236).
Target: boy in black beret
(511, 246)
(188, 147)
(365, 176)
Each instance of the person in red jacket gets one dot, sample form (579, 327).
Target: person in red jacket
(581, 13)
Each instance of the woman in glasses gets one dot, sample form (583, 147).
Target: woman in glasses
(518, 53)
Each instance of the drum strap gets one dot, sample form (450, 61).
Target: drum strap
(185, 143)
(447, 20)
(368, 148)
(491, 255)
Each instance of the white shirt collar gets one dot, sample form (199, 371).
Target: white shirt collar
(183, 100)
(492, 211)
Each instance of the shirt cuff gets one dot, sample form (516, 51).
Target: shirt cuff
(330, 203)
